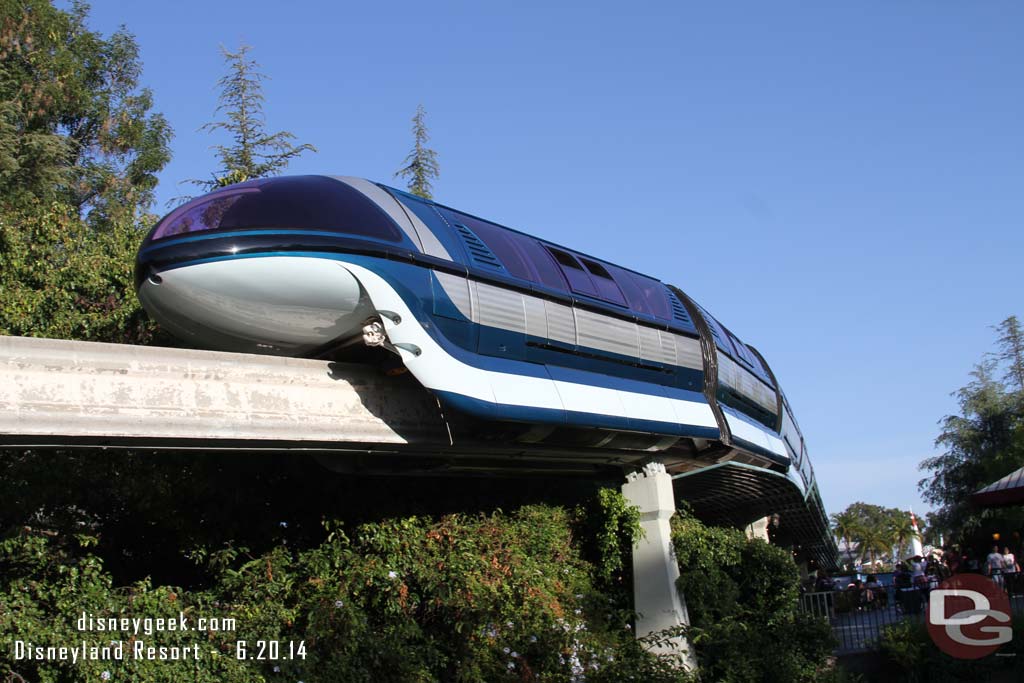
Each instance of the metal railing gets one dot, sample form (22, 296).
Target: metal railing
(858, 623)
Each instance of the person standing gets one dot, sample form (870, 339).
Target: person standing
(1011, 569)
(994, 566)
(917, 571)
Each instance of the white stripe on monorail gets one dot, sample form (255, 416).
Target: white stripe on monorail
(56, 391)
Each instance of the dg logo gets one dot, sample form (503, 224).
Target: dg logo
(969, 616)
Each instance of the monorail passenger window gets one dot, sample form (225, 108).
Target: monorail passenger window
(643, 294)
(578, 279)
(290, 203)
(492, 236)
(718, 332)
(742, 352)
(547, 270)
(521, 255)
(200, 216)
(606, 287)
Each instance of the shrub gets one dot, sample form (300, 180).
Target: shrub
(912, 656)
(483, 597)
(63, 279)
(741, 596)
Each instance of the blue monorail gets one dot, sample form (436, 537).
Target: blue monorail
(499, 325)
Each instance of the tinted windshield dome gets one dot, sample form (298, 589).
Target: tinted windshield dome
(296, 203)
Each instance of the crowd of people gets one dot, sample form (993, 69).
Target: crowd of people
(915, 576)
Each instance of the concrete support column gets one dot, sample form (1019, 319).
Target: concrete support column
(759, 529)
(659, 605)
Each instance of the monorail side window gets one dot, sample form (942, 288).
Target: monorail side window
(548, 271)
(578, 279)
(497, 242)
(718, 332)
(532, 263)
(743, 354)
(607, 289)
(643, 294)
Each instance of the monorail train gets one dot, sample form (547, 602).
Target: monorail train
(501, 326)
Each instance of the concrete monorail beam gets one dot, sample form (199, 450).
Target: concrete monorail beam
(67, 393)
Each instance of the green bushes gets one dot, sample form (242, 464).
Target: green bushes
(487, 597)
(407, 591)
(913, 657)
(742, 599)
(63, 279)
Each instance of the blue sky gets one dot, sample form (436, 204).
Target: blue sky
(840, 185)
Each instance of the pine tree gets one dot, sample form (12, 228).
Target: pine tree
(421, 164)
(982, 443)
(1011, 351)
(253, 153)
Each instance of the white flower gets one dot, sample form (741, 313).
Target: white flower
(277, 669)
(533, 639)
(511, 665)
(284, 525)
(506, 650)
(514, 654)
(392, 574)
(339, 604)
(105, 675)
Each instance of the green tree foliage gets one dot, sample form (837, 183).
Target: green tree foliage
(874, 531)
(1011, 353)
(742, 599)
(901, 533)
(421, 165)
(253, 152)
(47, 582)
(982, 443)
(75, 126)
(846, 527)
(63, 279)
(79, 153)
(458, 597)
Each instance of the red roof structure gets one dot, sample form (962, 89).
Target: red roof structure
(1007, 491)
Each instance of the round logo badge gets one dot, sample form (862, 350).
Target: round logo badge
(969, 616)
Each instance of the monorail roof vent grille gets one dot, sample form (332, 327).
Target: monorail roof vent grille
(479, 252)
(678, 310)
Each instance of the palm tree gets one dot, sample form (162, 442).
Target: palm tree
(902, 530)
(874, 540)
(846, 527)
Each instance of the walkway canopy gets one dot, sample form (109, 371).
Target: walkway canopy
(736, 494)
(1007, 491)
